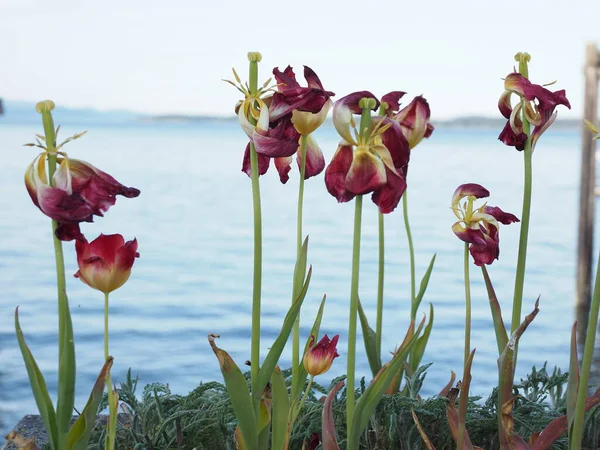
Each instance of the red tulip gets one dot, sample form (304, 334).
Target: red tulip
(319, 358)
(537, 102)
(80, 191)
(478, 227)
(105, 263)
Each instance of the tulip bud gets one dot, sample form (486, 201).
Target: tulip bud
(105, 263)
(319, 358)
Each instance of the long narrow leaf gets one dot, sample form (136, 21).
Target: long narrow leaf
(66, 371)
(39, 388)
(462, 406)
(237, 387)
(265, 372)
(422, 287)
(302, 374)
(422, 433)
(416, 354)
(370, 339)
(370, 398)
(328, 424)
(499, 328)
(573, 383)
(281, 410)
(79, 434)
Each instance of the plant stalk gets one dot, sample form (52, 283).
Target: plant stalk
(380, 280)
(111, 399)
(411, 250)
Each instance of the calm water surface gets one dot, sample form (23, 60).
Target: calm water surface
(193, 222)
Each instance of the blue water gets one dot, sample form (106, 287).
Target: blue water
(193, 222)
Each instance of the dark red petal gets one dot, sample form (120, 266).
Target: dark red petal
(283, 166)
(315, 162)
(469, 190)
(501, 216)
(395, 141)
(282, 140)
(335, 174)
(263, 163)
(286, 79)
(351, 101)
(486, 253)
(366, 174)
(125, 256)
(508, 137)
(312, 79)
(106, 246)
(393, 101)
(68, 232)
(388, 196)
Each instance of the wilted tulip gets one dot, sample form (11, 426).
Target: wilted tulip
(375, 162)
(105, 263)
(319, 358)
(537, 102)
(414, 121)
(478, 227)
(80, 191)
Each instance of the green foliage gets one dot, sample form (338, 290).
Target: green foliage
(204, 419)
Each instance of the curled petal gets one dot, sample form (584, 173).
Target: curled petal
(285, 79)
(312, 79)
(414, 120)
(486, 253)
(283, 166)
(501, 216)
(468, 190)
(336, 172)
(512, 139)
(392, 99)
(468, 234)
(315, 162)
(343, 110)
(504, 104)
(388, 196)
(394, 140)
(280, 140)
(544, 125)
(306, 122)
(367, 172)
(69, 232)
(263, 163)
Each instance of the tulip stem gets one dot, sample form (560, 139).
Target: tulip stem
(411, 251)
(306, 392)
(353, 312)
(299, 278)
(257, 279)
(524, 233)
(380, 279)
(588, 354)
(464, 396)
(111, 399)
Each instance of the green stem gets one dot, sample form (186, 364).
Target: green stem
(257, 279)
(111, 399)
(588, 356)
(106, 327)
(353, 312)
(524, 234)
(411, 250)
(299, 278)
(306, 392)
(380, 279)
(467, 305)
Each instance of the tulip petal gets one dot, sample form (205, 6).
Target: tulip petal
(105, 246)
(508, 137)
(263, 163)
(335, 174)
(281, 140)
(393, 101)
(395, 141)
(388, 196)
(68, 232)
(468, 190)
(283, 166)
(504, 104)
(306, 122)
(501, 216)
(366, 173)
(343, 110)
(414, 120)
(315, 162)
(286, 78)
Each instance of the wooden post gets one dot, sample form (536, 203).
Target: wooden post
(585, 241)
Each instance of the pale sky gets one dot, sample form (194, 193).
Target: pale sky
(169, 56)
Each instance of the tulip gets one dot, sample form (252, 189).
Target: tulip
(79, 192)
(413, 118)
(374, 162)
(478, 227)
(538, 104)
(281, 119)
(105, 263)
(319, 358)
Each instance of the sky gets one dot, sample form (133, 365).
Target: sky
(161, 57)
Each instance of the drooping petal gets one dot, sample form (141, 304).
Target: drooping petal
(283, 166)
(414, 120)
(343, 110)
(315, 162)
(467, 234)
(366, 173)
(306, 122)
(280, 140)
(388, 196)
(508, 137)
(501, 216)
(336, 172)
(488, 252)
(504, 104)
(468, 190)
(395, 141)
(68, 232)
(263, 163)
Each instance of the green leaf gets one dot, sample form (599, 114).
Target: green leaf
(66, 369)
(302, 374)
(266, 370)
(370, 399)
(281, 410)
(39, 388)
(499, 328)
(237, 388)
(79, 434)
(573, 383)
(370, 339)
(423, 287)
(416, 354)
